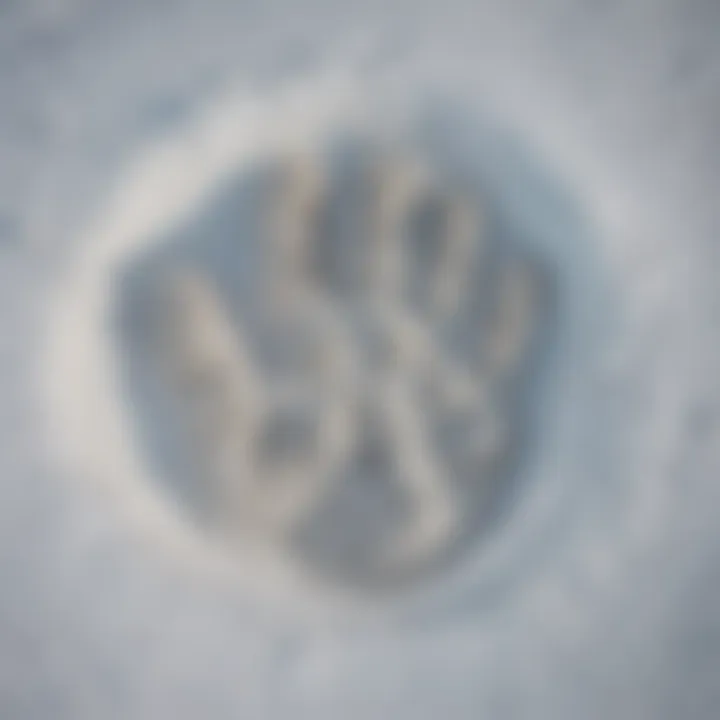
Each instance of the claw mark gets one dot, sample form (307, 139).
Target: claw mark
(396, 187)
(295, 216)
(216, 374)
(515, 317)
(460, 230)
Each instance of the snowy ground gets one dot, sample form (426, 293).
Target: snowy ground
(598, 131)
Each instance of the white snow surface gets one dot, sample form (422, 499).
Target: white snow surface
(599, 596)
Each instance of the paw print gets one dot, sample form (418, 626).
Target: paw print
(393, 311)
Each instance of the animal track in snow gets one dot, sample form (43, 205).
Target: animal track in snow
(378, 355)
